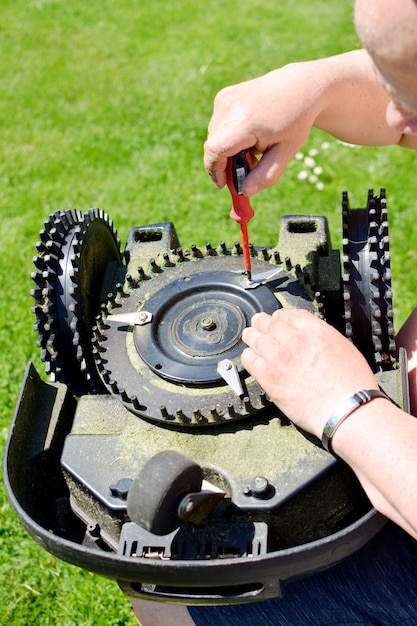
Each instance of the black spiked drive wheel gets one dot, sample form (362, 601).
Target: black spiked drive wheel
(367, 281)
(73, 255)
(151, 456)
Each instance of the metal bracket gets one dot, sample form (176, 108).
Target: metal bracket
(137, 318)
(229, 372)
(261, 278)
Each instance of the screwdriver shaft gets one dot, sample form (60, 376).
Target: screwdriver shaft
(246, 250)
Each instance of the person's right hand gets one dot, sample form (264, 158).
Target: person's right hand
(271, 115)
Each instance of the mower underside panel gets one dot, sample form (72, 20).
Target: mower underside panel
(152, 456)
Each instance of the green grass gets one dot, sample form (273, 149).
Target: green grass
(106, 104)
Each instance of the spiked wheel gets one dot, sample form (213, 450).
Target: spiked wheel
(74, 252)
(367, 281)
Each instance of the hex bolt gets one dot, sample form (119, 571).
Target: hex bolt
(207, 323)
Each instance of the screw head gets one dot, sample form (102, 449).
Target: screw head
(207, 323)
(259, 487)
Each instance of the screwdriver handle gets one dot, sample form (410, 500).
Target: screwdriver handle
(236, 171)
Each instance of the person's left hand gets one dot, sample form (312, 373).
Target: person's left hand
(305, 366)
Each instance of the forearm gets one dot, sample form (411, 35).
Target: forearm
(352, 102)
(379, 442)
(273, 115)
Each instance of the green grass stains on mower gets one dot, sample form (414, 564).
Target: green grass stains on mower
(151, 456)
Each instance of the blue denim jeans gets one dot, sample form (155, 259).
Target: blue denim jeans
(377, 586)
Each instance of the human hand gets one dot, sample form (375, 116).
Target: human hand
(305, 366)
(271, 115)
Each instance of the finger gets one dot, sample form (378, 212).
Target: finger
(254, 364)
(221, 145)
(215, 166)
(270, 168)
(297, 318)
(267, 324)
(260, 342)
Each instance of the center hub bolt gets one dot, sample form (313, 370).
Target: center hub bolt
(207, 323)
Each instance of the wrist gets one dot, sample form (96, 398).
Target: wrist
(345, 410)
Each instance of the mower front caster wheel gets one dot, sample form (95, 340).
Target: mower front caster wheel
(155, 495)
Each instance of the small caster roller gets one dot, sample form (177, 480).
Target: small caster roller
(157, 492)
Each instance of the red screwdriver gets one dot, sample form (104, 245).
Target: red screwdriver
(236, 172)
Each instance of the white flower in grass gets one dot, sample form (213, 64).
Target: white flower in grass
(311, 171)
(309, 162)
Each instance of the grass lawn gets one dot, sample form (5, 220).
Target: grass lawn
(106, 104)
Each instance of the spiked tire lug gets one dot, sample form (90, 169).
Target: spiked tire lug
(223, 248)
(237, 248)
